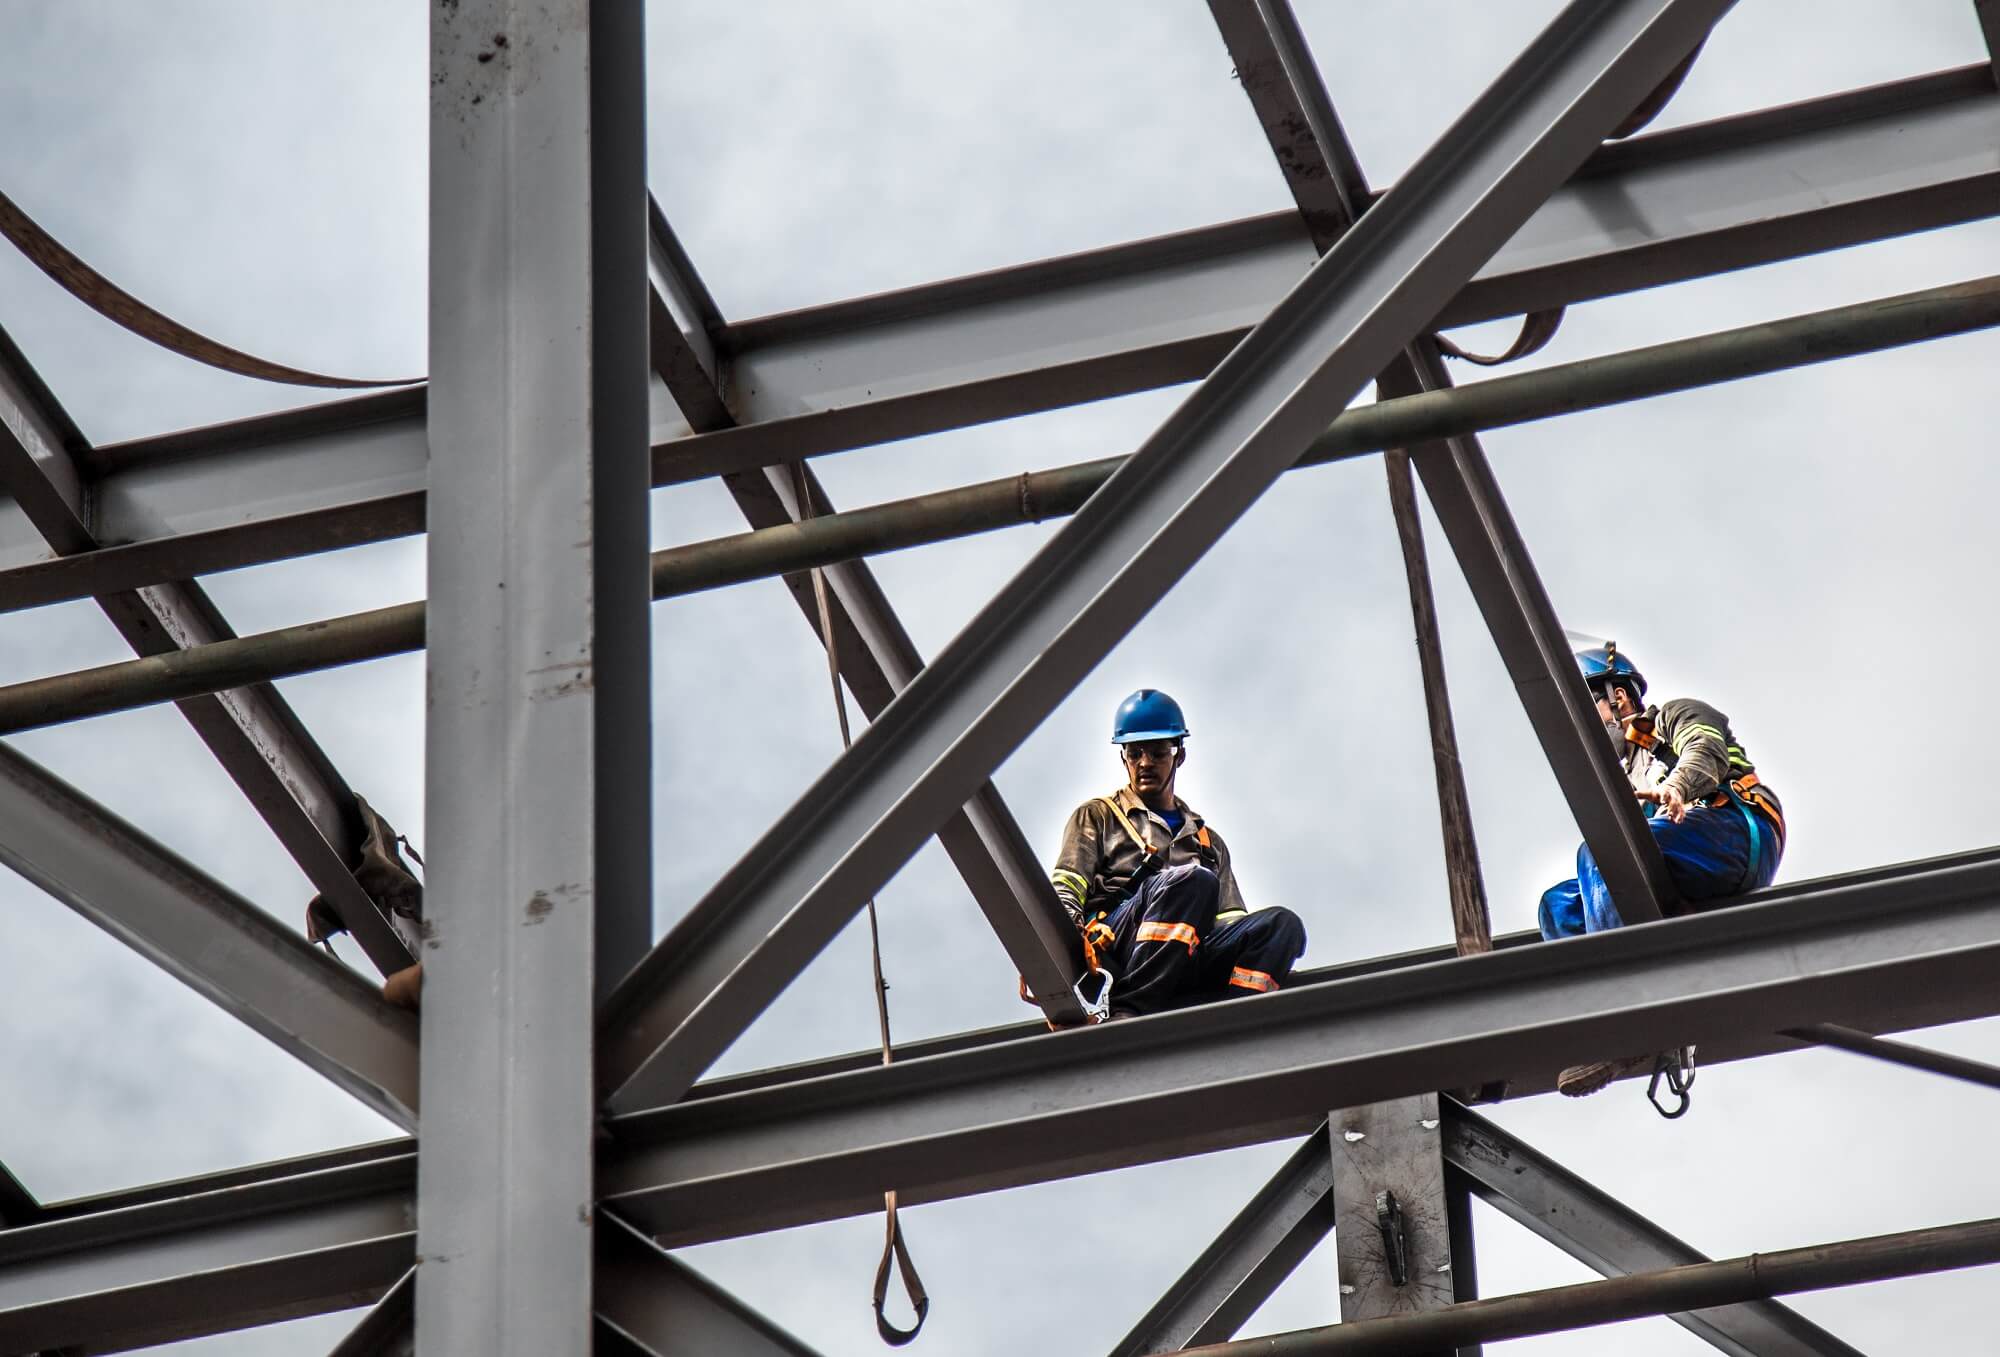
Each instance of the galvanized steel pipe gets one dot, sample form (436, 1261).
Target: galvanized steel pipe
(1592, 383)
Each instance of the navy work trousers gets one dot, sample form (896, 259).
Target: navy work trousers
(1709, 856)
(1170, 951)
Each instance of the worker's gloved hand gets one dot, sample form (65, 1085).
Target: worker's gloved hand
(1098, 938)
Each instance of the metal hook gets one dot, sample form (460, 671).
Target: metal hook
(1098, 1009)
(1677, 1068)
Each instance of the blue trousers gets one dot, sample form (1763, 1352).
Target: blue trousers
(1708, 857)
(1170, 951)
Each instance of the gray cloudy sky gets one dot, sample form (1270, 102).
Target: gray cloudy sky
(258, 171)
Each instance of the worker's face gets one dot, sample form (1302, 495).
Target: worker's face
(1150, 765)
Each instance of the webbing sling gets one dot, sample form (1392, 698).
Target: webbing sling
(120, 307)
(892, 1240)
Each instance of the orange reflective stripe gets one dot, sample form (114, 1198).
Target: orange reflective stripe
(1159, 932)
(1249, 979)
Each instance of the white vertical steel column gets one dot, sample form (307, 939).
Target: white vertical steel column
(537, 776)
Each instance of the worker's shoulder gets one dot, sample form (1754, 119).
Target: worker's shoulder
(1678, 711)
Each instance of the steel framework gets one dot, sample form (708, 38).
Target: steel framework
(566, 1141)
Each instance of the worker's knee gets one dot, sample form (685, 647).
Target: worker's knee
(1285, 931)
(1189, 885)
(1561, 912)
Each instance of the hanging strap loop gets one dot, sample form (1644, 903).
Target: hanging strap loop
(893, 1246)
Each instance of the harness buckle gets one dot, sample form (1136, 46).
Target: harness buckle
(1677, 1068)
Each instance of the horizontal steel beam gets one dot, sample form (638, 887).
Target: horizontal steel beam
(197, 1265)
(1752, 189)
(1882, 951)
(1610, 1237)
(1592, 383)
(209, 1259)
(1696, 1286)
(208, 937)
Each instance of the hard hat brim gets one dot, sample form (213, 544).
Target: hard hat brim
(1139, 736)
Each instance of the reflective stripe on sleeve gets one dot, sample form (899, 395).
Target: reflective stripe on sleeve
(1246, 978)
(1689, 732)
(1161, 932)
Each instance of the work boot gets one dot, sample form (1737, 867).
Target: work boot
(405, 988)
(1582, 1080)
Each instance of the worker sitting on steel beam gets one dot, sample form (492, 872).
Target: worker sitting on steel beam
(1149, 884)
(1720, 829)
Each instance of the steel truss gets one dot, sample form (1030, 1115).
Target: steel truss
(586, 1045)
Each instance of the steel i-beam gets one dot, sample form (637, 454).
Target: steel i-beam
(1906, 948)
(1209, 462)
(538, 775)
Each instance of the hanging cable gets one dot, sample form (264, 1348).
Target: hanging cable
(893, 1246)
(121, 308)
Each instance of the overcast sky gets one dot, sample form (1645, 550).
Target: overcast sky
(1810, 552)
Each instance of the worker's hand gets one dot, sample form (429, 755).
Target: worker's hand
(1672, 804)
(1098, 938)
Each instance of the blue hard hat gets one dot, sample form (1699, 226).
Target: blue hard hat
(1148, 714)
(1603, 663)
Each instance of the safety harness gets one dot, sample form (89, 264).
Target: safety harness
(1093, 987)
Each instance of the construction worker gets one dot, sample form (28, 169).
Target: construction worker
(1149, 883)
(1720, 829)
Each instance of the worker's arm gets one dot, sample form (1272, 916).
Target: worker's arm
(1693, 731)
(1230, 896)
(1078, 862)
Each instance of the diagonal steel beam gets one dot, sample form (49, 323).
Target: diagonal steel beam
(877, 657)
(658, 1306)
(206, 936)
(251, 731)
(1896, 951)
(389, 1327)
(17, 1205)
(703, 984)
(1597, 1229)
(1481, 531)
(1989, 28)
(1248, 1261)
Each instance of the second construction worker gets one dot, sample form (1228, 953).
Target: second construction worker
(1149, 884)
(1720, 829)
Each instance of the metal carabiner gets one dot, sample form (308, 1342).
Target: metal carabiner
(1098, 1009)
(1677, 1068)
